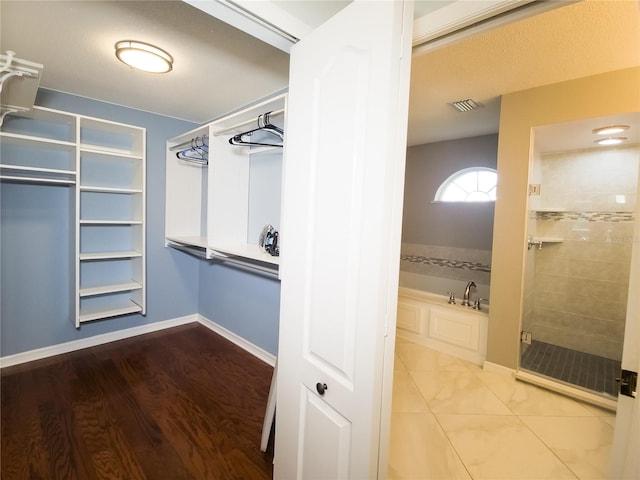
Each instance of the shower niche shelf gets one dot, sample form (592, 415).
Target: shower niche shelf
(538, 242)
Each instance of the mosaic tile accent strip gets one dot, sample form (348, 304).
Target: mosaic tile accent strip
(445, 262)
(613, 217)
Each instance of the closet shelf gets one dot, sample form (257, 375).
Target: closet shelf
(110, 222)
(109, 152)
(21, 168)
(87, 315)
(109, 255)
(113, 288)
(189, 241)
(51, 176)
(18, 138)
(107, 162)
(24, 77)
(246, 251)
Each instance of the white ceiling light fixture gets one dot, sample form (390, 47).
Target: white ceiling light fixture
(610, 130)
(144, 56)
(610, 141)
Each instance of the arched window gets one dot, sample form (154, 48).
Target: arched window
(475, 184)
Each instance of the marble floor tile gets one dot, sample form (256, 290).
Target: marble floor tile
(451, 420)
(417, 357)
(419, 450)
(526, 399)
(458, 392)
(582, 443)
(496, 447)
(406, 396)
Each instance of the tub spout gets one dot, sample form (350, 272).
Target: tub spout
(467, 291)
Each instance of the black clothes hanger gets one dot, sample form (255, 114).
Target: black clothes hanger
(197, 153)
(264, 126)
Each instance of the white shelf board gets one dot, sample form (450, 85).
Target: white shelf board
(252, 252)
(192, 241)
(110, 222)
(109, 152)
(19, 138)
(87, 315)
(21, 168)
(114, 288)
(110, 255)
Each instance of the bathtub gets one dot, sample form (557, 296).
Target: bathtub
(428, 319)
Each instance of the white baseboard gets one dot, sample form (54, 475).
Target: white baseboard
(96, 340)
(40, 353)
(253, 349)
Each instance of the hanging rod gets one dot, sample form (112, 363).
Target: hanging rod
(196, 142)
(247, 122)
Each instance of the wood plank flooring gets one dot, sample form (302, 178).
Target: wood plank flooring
(182, 403)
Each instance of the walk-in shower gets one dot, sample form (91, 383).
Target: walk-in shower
(582, 210)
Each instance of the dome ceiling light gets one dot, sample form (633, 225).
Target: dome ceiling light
(144, 56)
(611, 141)
(610, 130)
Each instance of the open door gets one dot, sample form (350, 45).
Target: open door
(341, 228)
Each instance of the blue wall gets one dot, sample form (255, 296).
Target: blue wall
(35, 259)
(246, 303)
(35, 289)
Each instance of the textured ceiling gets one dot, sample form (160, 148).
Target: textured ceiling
(577, 40)
(218, 68)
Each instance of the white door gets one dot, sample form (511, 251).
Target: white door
(341, 227)
(625, 460)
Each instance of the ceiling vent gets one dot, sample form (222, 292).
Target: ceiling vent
(466, 105)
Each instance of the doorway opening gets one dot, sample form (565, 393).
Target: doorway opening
(582, 214)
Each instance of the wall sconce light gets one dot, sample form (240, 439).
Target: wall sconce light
(144, 56)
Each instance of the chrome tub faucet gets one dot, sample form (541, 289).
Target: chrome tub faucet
(467, 291)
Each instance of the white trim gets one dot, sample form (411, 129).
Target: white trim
(44, 352)
(573, 392)
(241, 17)
(253, 349)
(457, 15)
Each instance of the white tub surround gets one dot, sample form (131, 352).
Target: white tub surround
(429, 319)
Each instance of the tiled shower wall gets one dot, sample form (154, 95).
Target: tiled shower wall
(586, 211)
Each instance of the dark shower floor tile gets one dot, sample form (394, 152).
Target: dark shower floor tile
(578, 368)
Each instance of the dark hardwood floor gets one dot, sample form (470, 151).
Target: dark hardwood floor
(182, 403)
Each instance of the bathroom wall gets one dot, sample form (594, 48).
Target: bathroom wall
(445, 245)
(587, 201)
(595, 96)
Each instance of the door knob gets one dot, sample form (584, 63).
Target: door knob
(321, 388)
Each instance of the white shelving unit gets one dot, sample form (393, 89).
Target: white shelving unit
(218, 210)
(104, 162)
(110, 265)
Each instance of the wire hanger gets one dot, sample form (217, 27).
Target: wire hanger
(264, 125)
(197, 153)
